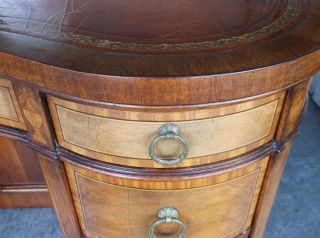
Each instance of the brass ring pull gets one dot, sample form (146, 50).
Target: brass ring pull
(168, 131)
(168, 214)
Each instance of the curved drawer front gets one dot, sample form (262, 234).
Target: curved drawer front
(216, 206)
(10, 114)
(210, 134)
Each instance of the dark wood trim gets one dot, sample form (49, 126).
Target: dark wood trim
(209, 169)
(285, 142)
(167, 174)
(15, 134)
(196, 171)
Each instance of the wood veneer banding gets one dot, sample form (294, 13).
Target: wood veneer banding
(123, 137)
(147, 196)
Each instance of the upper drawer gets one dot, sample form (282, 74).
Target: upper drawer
(124, 136)
(10, 114)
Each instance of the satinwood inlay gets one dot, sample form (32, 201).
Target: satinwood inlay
(10, 113)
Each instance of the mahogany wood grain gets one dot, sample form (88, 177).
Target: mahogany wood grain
(103, 202)
(34, 115)
(56, 180)
(163, 113)
(18, 164)
(150, 62)
(168, 79)
(21, 180)
(24, 196)
(10, 113)
(268, 192)
(123, 137)
(297, 96)
(293, 107)
(181, 78)
(162, 91)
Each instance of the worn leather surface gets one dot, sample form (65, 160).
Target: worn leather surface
(150, 25)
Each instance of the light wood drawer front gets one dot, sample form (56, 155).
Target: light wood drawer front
(10, 114)
(212, 134)
(216, 206)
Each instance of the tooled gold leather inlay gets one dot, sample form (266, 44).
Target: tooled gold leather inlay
(54, 32)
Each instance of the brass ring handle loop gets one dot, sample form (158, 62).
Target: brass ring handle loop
(166, 215)
(168, 131)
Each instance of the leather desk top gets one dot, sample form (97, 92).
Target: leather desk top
(160, 52)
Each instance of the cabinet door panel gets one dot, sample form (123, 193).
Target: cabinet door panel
(21, 180)
(18, 164)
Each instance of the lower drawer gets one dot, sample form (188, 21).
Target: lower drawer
(216, 205)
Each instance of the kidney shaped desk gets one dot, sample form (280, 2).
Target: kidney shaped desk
(152, 118)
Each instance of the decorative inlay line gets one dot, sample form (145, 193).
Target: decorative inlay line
(81, 208)
(40, 29)
(67, 137)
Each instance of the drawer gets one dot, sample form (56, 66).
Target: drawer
(219, 205)
(10, 114)
(125, 135)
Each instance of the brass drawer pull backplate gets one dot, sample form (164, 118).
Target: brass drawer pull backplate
(168, 131)
(168, 214)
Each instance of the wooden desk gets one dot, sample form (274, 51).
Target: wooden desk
(152, 118)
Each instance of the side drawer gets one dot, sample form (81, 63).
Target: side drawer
(123, 136)
(218, 205)
(10, 114)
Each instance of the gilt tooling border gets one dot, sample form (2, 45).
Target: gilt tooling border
(39, 29)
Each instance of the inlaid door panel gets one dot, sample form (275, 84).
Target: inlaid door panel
(123, 137)
(10, 114)
(215, 206)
